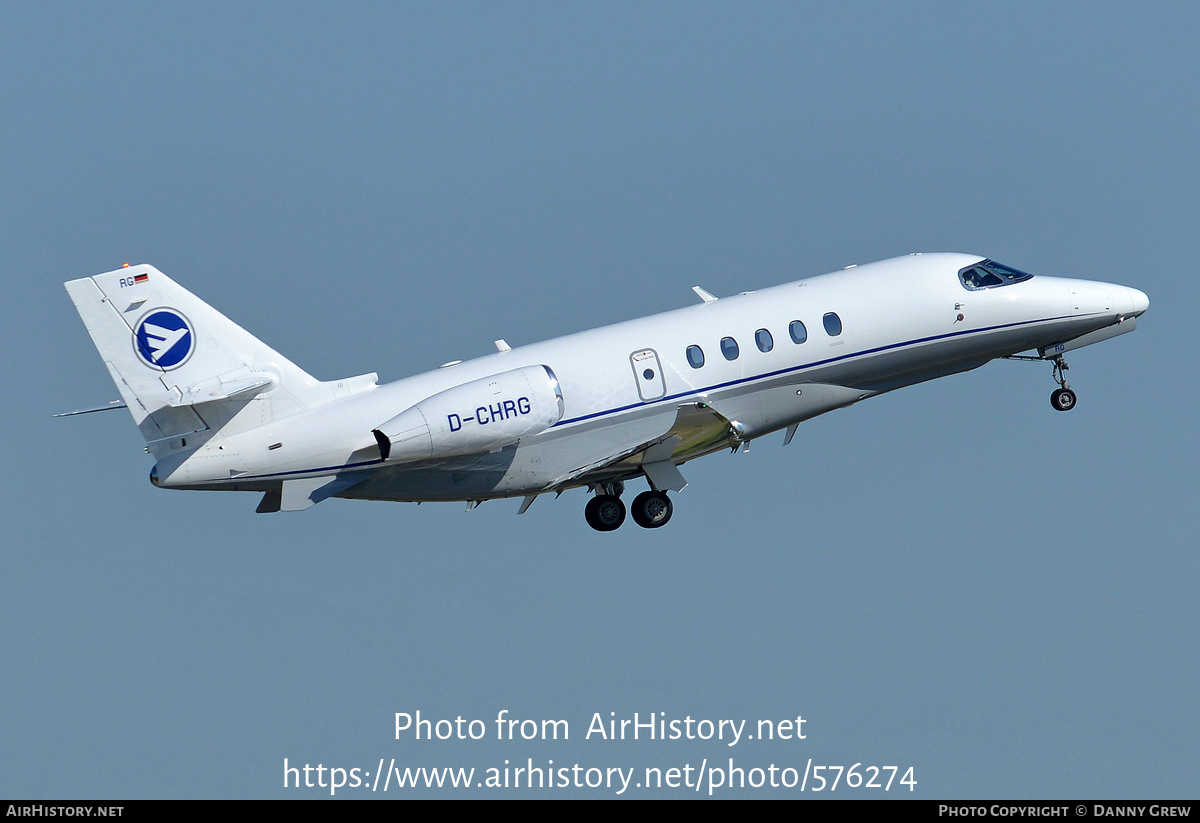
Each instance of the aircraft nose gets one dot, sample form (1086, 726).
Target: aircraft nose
(1139, 300)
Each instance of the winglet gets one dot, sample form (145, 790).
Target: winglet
(705, 295)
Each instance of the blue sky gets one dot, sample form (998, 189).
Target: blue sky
(952, 577)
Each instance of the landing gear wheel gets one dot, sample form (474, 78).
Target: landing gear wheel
(651, 509)
(1062, 399)
(605, 512)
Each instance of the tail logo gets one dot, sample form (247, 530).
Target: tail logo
(164, 339)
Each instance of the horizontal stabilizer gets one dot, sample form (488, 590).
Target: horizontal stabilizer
(111, 404)
(222, 388)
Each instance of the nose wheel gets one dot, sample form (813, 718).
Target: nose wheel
(1062, 399)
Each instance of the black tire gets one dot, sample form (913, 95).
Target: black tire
(1062, 399)
(651, 510)
(605, 512)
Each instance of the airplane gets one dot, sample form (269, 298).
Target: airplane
(221, 410)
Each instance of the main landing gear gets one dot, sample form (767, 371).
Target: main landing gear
(606, 512)
(1062, 398)
(651, 509)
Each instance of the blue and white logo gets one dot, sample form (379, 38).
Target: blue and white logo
(164, 339)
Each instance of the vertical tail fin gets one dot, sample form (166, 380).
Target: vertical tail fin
(180, 365)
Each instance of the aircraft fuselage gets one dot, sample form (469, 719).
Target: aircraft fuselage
(866, 330)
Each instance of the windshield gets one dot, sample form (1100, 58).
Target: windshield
(989, 274)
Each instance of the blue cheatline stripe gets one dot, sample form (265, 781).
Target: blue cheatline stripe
(342, 467)
(693, 392)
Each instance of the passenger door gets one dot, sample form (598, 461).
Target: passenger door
(648, 373)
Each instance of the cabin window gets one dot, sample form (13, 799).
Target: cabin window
(798, 332)
(833, 324)
(695, 356)
(729, 348)
(762, 339)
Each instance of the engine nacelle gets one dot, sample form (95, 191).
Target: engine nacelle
(480, 416)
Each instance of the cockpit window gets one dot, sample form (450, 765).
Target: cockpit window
(990, 274)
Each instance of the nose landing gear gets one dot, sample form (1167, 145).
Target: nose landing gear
(1062, 398)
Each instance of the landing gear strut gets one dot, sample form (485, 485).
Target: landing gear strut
(1062, 398)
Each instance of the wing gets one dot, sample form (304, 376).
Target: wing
(697, 429)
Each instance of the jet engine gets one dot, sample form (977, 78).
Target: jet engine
(483, 415)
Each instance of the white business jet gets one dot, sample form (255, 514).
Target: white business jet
(219, 409)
